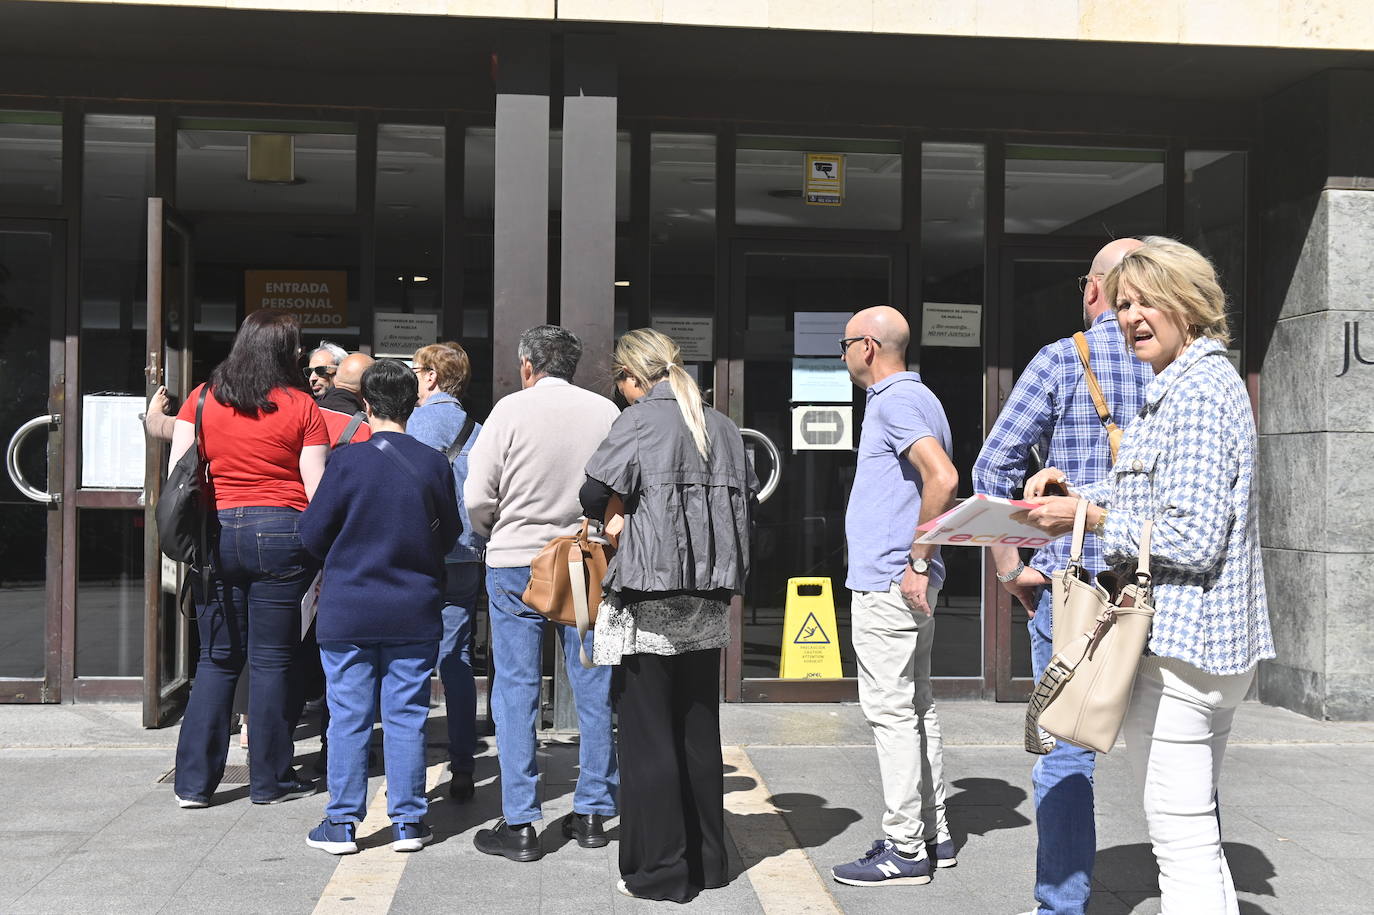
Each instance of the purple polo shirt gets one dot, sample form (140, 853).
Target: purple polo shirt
(885, 502)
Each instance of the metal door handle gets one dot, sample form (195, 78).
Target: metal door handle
(775, 477)
(12, 458)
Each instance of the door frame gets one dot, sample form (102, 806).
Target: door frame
(731, 317)
(1001, 379)
(57, 588)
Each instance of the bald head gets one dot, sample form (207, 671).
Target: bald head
(1094, 303)
(880, 335)
(350, 375)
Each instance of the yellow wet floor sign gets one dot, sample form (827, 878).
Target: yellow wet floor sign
(810, 646)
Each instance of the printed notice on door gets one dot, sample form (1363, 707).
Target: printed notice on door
(112, 444)
(396, 334)
(693, 335)
(945, 324)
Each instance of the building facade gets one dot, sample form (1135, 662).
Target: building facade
(736, 174)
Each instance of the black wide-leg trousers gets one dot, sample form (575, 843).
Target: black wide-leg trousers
(672, 785)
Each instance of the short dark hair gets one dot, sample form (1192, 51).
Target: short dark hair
(551, 350)
(390, 389)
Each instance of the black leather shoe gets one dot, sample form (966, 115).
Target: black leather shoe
(519, 843)
(586, 828)
(460, 787)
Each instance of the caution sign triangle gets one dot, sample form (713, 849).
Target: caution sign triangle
(811, 632)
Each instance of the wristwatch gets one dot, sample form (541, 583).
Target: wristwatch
(919, 566)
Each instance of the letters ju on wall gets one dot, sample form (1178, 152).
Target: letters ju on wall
(318, 299)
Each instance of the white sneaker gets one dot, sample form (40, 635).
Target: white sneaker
(190, 803)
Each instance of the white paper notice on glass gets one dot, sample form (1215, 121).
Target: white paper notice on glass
(818, 333)
(822, 427)
(820, 380)
(983, 521)
(693, 335)
(112, 443)
(396, 334)
(949, 324)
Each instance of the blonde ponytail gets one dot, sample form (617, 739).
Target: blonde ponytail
(651, 356)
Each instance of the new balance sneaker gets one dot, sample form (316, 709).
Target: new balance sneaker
(337, 838)
(410, 836)
(941, 852)
(883, 865)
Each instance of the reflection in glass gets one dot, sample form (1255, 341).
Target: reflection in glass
(770, 173)
(682, 228)
(109, 593)
(117, 180)
(1214, 222)
(1074, 190)
(410, 217)
(31, 158)
(212, 167)
(27, 263)
(952, 253)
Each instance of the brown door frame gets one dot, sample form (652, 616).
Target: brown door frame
(57, 601)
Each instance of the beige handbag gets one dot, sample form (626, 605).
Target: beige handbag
(1083, 695)
(1077, 599)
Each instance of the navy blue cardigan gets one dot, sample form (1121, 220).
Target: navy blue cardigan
(383, 567)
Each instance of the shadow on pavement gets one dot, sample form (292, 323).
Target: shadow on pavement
(1131, 870)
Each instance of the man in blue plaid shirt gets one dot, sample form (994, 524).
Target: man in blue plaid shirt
(1051, 407)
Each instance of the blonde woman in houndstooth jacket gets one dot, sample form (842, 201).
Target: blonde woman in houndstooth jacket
(1187, 462)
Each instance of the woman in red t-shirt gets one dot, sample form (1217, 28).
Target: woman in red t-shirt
(266, 444)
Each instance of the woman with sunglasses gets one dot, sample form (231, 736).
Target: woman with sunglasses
(265, 442)
(684, 551)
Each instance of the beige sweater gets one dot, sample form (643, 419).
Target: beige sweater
(527, 465)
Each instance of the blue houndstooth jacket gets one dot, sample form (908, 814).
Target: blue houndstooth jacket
(1188, 462)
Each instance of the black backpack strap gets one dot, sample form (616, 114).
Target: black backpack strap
(403, 462)
(204, 561)
(463, 434)
(347, 436)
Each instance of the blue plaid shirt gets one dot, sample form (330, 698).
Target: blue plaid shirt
(1051, 407)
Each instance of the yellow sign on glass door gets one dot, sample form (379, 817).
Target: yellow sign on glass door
(810, 639)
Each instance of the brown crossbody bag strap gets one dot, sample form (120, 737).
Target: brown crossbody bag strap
(1080, 342)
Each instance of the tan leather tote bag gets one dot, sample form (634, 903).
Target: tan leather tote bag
(1077, 599)
(566, 576)
(1083, 695)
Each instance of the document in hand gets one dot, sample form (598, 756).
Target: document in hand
(983, 521)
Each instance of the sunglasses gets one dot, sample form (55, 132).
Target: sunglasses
(324, 371)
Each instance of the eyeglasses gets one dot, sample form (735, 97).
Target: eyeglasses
(1083, 280)
(417, 369)
(844, 343)
(324, 371)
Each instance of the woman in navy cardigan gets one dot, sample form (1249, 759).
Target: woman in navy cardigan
(382, 520)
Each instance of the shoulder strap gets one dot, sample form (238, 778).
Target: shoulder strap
(403, 462)
(1080, 343)
(200, 428)
(468, 425)
(351, 428)
(1080, 527)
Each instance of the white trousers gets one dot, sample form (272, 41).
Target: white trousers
(1176, 730)
(892, 643)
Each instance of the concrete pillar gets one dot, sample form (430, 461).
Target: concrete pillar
(1316, 419)
(520, 271)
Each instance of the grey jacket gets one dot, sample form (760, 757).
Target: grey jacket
(686, 518)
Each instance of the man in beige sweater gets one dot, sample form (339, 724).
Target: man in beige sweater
(521, 492)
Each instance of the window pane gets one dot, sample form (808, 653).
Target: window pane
(410, 217)
(770, 175)
(952, 262)
(109, 593)
(307, 167)
(682, 230)
(1214, 222)
(1074, 190)
(31, 157)
(117, 171)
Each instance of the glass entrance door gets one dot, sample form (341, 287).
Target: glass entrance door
(32, 340)
(1042, 301)
(789, 302)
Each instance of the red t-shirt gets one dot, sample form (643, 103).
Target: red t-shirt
(336, 422)
(256, 461)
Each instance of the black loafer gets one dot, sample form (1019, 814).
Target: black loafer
(460, 787)
(518, 843)
(587, 828)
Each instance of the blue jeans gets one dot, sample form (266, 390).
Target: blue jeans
(517, 635)
(352, 674)
(1063, 783)
(253, 613)
(462, 582)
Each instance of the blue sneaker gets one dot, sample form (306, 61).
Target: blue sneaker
(881, 865)
(410, 836)
(941, 852)
(335, 838)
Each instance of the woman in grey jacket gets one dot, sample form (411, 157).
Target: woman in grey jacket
(684, 551)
